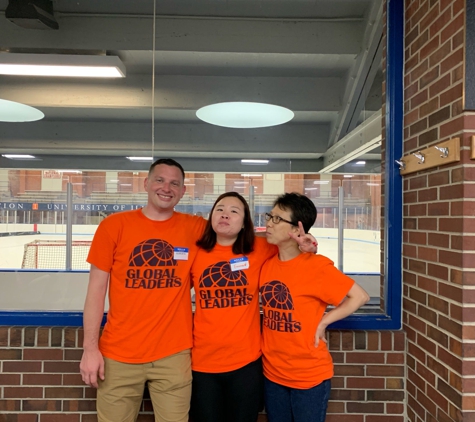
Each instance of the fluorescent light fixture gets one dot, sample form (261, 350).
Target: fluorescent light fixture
(11, 111)
(237, 182)
(360, 163)
(140, 158)
(254, 161)
(321, 182)
(311, 188)
(19, 156)
(67, 65)
(244, 115)
(372, 184)
(251, 175)
(348, 175)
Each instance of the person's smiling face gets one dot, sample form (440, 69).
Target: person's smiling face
(165, 187)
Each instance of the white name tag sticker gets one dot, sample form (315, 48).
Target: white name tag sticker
(241, 263)
(180, 254)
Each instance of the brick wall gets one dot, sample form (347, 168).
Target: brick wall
(438, 218)
(40, 381)
(368, 385)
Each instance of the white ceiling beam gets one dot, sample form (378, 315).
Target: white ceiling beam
(366, 137)
(182, 92)
(116, 138)
(93, 32)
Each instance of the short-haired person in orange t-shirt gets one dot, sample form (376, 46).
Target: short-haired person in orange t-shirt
(143, 258)
(295, 291)
(226, 354)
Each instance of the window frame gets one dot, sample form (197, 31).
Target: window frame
(391, 319)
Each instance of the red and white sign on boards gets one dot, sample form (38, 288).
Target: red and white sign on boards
(51, 174)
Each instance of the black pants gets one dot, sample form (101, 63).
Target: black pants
(234, 396)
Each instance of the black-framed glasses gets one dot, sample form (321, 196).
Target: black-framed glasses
(276, 219)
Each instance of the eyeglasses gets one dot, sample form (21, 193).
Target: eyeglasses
(276, 219)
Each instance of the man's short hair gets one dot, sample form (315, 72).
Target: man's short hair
(168, 162)
(301, 209)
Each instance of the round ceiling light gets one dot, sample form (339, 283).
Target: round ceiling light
(11, 111)
(244, 115)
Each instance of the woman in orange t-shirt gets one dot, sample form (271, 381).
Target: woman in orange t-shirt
(226, 354)
(295, 290)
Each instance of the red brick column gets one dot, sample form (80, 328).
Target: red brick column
(437, 243)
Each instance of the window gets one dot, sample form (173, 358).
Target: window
(96, 193)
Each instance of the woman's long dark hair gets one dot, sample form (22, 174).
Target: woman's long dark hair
(245, 239)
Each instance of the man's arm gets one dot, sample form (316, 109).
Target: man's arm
(92, 362)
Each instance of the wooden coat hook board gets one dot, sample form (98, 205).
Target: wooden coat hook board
(437, 155)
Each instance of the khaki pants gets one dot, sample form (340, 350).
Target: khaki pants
(119, 396)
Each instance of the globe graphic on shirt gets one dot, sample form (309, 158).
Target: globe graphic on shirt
(152, 253)
(221, 275)
(276, 294)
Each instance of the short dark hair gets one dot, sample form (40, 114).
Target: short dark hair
(168, 162)
(301, 209)
(245, 240)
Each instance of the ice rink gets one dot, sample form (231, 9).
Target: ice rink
(12, 247)
(359, 256)
(56, 289)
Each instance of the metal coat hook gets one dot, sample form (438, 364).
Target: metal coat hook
(420, 156)
(401, 163)
(444, 151)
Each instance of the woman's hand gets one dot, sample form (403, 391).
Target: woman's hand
(320, 334)
(306, 242)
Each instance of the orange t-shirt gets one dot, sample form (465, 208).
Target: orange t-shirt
(226, 328)
(149, 288)
(294, 297)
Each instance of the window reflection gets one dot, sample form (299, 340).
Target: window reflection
(90, 127)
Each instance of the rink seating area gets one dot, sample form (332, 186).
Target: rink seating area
(116, 198)
(41, 196)
(141, 198)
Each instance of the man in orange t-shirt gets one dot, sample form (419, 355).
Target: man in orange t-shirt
(295, 291)
(144, 258)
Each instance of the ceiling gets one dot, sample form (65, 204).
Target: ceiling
(320, 58)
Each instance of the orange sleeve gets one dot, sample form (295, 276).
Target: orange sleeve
(103, 244)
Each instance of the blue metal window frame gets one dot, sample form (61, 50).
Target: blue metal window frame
(391, 319)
